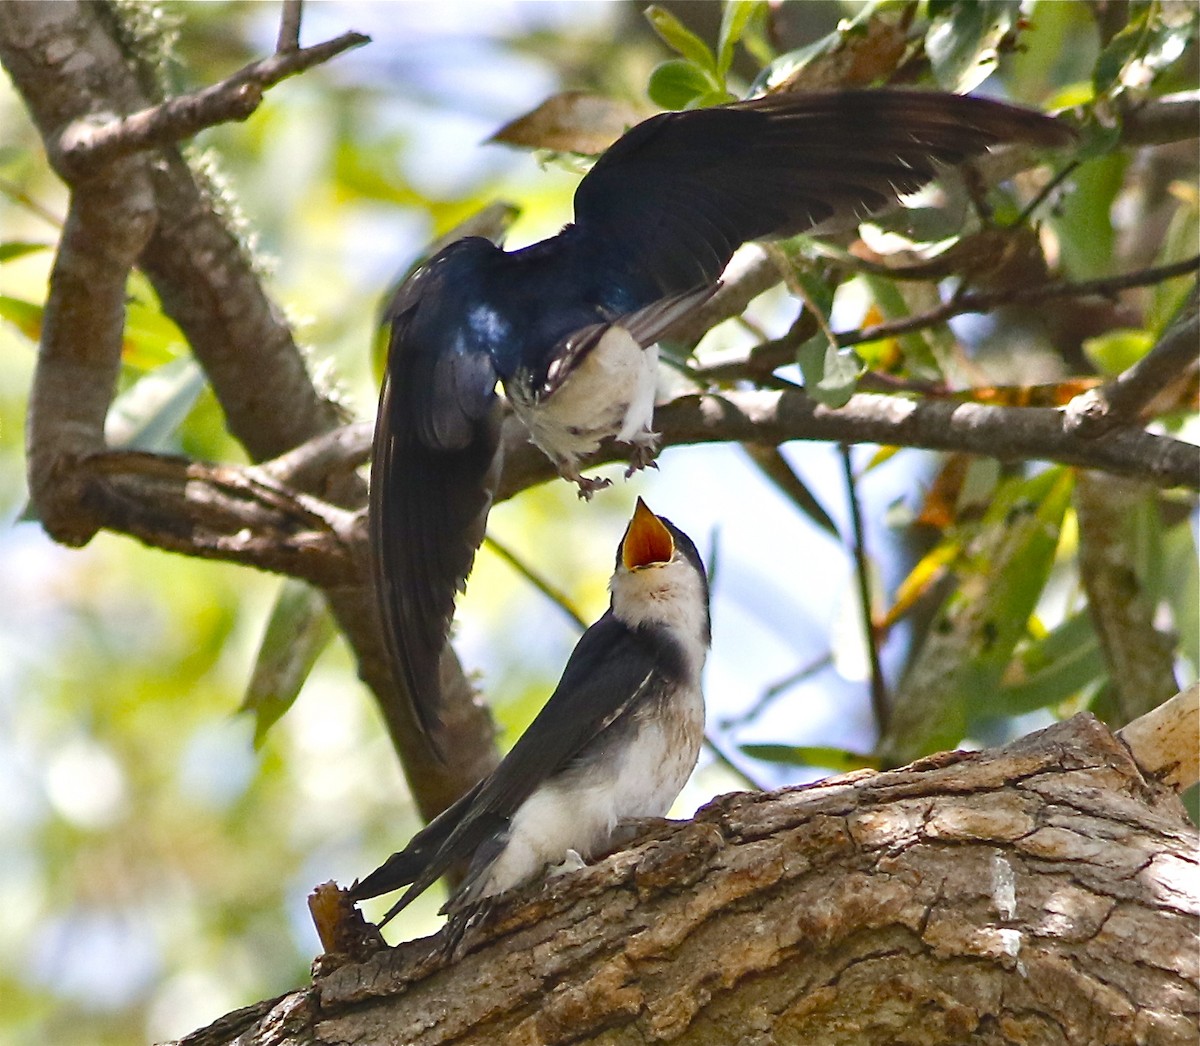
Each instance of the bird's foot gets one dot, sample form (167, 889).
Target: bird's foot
(642, 453)
(636, 465)
(571, 862)
(632, 829)
(463, 929)
(588, 485)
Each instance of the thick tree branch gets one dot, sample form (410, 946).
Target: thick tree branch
(238, 513)
(1165, 742)
(937, 904)
(1171, 118)
(223, 512)
(774, 417)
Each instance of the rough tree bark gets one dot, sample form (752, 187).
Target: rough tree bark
(1043, 893)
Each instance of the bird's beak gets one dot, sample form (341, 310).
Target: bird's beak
(647, 541)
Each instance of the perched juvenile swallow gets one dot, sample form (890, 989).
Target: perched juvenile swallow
(615, 742)
(569, 325)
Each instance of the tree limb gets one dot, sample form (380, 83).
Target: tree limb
(1166, 740)
(964, 898)
(85, 145)
(261, 516)
(208, 284)
(773, 417)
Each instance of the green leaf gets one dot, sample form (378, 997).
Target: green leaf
(711, 98)
(919, 355)
(962, 40)
(26, 316)
(837, 759)
(830, 373)
(1051, 670)
(677, 84)
(680, 38)
(733, 23)
(1181, 566)
(1084, 224)
(1001, 575)
(19, 248)
(1022, 528)
(926, 225)
(1153, 39)
(147, 415)
(299, 628)
(1114, 351)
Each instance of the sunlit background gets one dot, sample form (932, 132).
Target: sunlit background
(153, 865)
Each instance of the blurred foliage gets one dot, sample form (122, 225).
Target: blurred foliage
(155, 865)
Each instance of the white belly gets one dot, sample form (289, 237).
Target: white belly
(564, 815)
(610, 393)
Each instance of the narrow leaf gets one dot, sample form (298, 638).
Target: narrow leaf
(571, 121)
(1050, 670)
(299, 628)
(24, 315)
(147, 415)
(733, 23)
(1001, 576)
(778, 470)
(680, 38)
(839, 760)
(962, 42)
(19, 248)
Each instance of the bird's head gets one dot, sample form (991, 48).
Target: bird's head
(660, 578)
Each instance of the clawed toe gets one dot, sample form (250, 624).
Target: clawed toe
(588, 485)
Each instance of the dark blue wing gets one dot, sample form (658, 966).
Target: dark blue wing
(666, 206)
(434, 465)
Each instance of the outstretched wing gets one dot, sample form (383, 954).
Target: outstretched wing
(668, 204)
(433, 470)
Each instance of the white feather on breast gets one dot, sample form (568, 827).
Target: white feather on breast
(567, 814)
(609, 393)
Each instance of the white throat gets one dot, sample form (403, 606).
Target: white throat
(670, 595)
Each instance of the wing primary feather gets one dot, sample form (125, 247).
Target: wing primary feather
(434, 469)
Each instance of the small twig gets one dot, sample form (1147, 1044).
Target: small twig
(555, 595)
(85, 144)
(983, 301)
(722, 758)
(766, 356)
(328, 456)
(289, 27)
(1122, 400)
(777, 688)
(1046, 190)
(879, 697)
